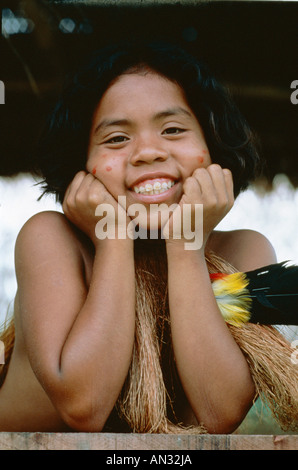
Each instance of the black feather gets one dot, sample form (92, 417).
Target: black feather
(274, 293)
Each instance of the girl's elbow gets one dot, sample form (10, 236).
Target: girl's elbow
(226, 425)
(83, 423)
(83, 418)
(223, 425)
(225, 421)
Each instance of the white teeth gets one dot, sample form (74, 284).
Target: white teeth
(155, 188)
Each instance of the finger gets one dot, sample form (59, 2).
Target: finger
(220, 184)
(84, 190)
(85, 183)
(229, 184)
(216, 174)
(75, 183)
(206, 184)
(97, 192)
(69, 197)
(191, 187)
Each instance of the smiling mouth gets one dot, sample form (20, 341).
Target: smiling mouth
(154, 186)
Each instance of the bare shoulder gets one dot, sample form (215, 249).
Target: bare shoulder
(245, 249)
(44, 223)
(48, 238)
(46, 229)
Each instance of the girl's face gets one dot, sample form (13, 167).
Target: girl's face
(145, 140)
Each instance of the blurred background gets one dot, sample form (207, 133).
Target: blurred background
(251, 46)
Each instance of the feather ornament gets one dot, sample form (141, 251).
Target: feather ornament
(232, 297)
(267, 295)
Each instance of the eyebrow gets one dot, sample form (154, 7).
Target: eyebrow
(111, 122)
(126, 122)
(172, 112)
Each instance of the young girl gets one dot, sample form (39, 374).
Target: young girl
(123, 334)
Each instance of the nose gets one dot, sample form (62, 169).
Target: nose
(147, 151)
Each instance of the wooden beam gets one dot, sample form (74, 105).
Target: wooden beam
(109, 441)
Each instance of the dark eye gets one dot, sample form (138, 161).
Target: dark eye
(118, 139)
(173, 131)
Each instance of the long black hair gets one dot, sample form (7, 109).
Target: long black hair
(62, 150)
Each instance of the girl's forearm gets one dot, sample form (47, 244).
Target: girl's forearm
(214, 373)
(97, 352)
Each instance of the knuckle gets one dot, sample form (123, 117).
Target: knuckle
(93, 197)
(215, 167)
(80, 198)
(190, 184)
(188, 181)
(67, 202)
(79, 177)
(199, 171)
(227, 172)
(212, 202)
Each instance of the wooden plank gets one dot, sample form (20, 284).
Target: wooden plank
(109, 441)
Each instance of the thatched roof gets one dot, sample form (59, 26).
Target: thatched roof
(252, 46)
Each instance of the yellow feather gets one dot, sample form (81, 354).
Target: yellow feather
(233, 298)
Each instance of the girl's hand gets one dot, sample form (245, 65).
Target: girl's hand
(213, 188)
(84, 194)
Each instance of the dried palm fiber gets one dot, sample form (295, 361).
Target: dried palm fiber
(147, 397)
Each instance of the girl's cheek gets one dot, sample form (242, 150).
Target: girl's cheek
(106, 164)
(106, 168)
(204, 158)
